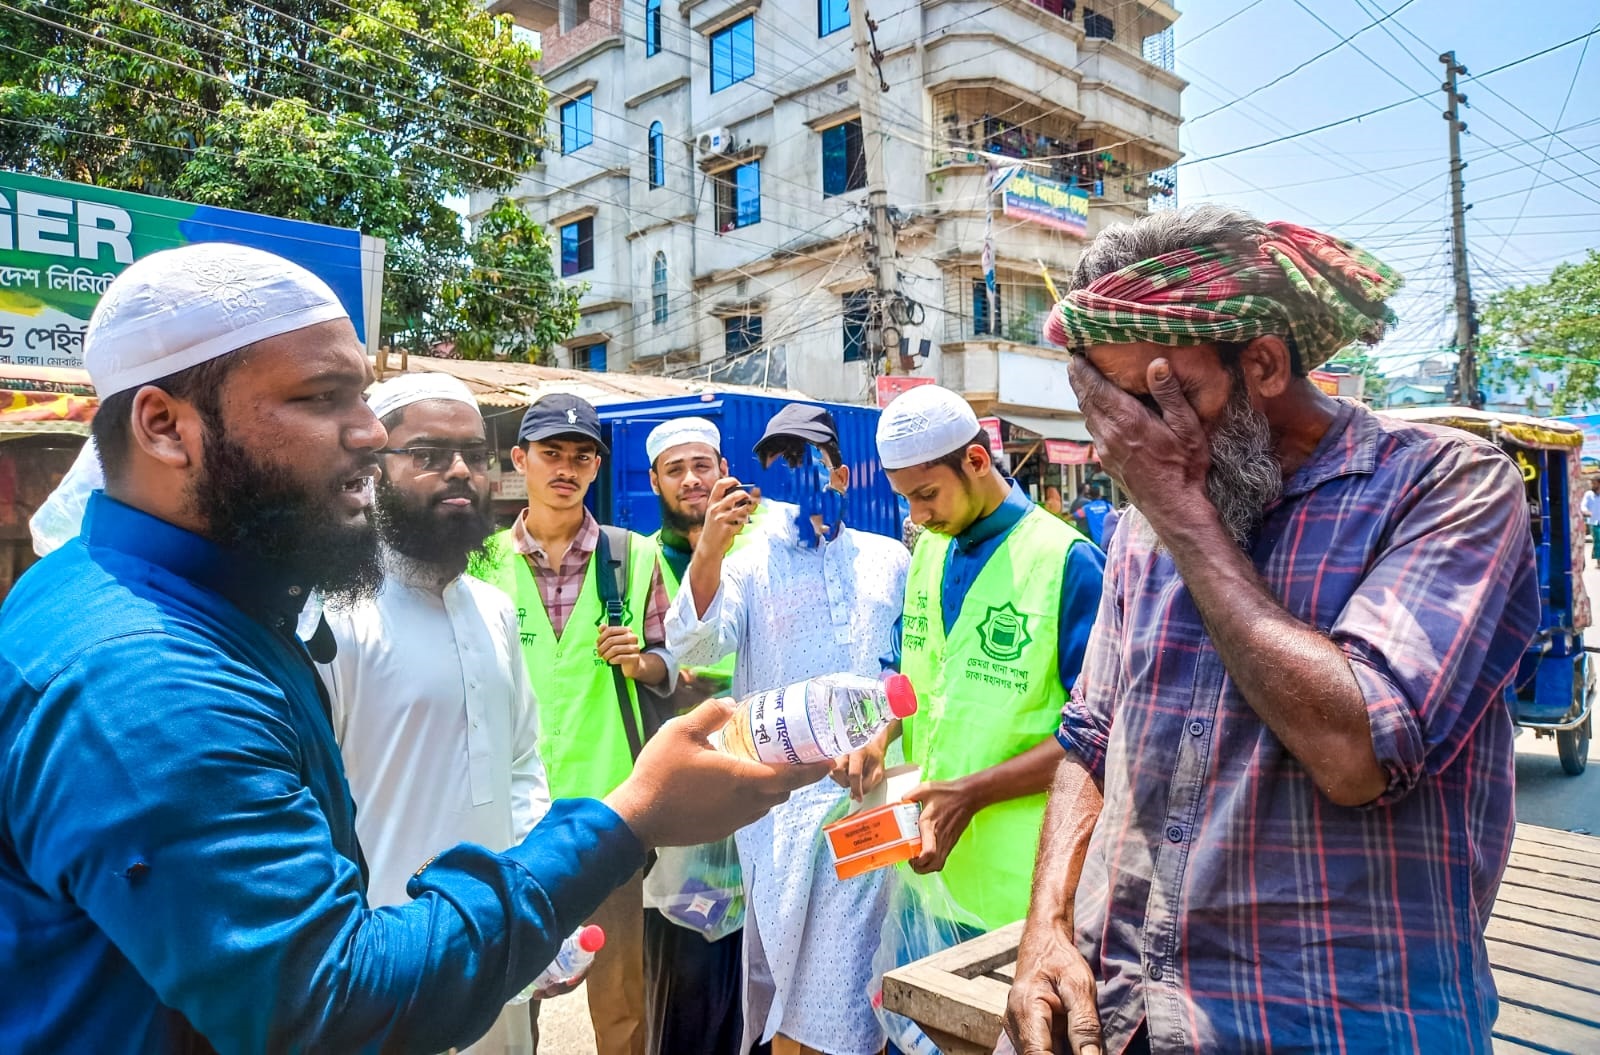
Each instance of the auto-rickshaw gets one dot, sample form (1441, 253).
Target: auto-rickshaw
(1553, 691)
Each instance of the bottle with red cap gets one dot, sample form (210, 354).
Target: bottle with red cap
(817, 719)
(576, 954)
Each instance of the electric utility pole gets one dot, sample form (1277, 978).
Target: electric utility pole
(880, 247)
(1466, 311)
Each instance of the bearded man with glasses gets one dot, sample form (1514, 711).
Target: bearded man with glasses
(428, 694)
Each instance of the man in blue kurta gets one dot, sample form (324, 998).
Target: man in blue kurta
(179, 870)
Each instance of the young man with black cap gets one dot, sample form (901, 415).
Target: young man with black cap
(805, 596)
(572, 640)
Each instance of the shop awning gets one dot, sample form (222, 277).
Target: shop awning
(1049, 428)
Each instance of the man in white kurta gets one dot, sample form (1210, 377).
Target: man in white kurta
(797, 602)
(430, 698)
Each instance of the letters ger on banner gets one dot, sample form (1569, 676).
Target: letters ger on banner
(62, 244)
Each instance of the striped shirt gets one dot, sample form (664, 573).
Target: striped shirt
(559, 586)
(1225, 901)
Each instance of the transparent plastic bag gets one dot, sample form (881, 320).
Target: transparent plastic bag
(922, 919)
(698, 887)
(60, 518)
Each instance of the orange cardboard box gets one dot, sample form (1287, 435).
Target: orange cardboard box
(874, 838)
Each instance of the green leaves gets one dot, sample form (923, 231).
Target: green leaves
(1551, 327)
(356, 113)
(509, 302)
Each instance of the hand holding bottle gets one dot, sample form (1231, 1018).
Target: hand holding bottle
(683, 791)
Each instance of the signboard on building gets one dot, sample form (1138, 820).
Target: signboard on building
(890, 386)
(997, 446)
(1065, 452)
(61, 245)
(1351, 386)
(1047, 202)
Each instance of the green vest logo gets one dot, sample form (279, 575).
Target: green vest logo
(1004, 633)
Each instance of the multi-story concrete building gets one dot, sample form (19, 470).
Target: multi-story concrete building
(707, 170)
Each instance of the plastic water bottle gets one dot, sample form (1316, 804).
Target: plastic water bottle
(576, 954)
(906, 1036)
(817, 719)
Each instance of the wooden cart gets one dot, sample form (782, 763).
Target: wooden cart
(1544, 944)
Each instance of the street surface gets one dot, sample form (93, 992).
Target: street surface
(1545, 795)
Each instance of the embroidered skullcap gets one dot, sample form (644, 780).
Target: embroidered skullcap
(386, 397)
(922, 424)
(677, 432)
(182, 307)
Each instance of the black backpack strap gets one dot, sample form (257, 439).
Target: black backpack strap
(611, 554)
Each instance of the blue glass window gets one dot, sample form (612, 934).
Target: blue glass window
(657, 155)
(857, 313)
(739, 196)
(733, 53)
(844, 163)
(658, 288)
(982, 323)
(596, 354)
(577, 123)
(577, 246)
(740, 334)
(832, 16)
(652, 27)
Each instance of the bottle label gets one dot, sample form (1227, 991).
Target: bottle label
(781, 728)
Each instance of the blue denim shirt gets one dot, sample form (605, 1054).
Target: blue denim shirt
(178, 857)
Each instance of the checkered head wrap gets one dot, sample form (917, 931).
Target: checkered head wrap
(1318, 292)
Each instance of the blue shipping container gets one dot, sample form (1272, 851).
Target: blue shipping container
(624, 496)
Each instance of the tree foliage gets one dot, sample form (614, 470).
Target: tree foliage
(510, 250)
(1549, 328)
(369, 114)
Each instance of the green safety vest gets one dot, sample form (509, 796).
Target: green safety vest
(987, 693)
(722, 670)
(582, 741)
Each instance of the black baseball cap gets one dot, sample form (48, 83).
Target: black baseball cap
(562, 414)
(801, 421)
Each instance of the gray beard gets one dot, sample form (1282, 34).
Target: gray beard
(1245, 476)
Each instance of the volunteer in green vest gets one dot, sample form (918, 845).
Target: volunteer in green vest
(693, 986)
(685, 461)
(999, 602)
(545, 562)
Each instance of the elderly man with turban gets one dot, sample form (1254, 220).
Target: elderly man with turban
(180, 868)
(1287, 798)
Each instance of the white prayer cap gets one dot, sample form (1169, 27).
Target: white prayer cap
(182, 307)
(678, 431)
(922, 424)
(386, 397)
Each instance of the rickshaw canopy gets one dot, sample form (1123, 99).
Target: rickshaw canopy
(1540, 433)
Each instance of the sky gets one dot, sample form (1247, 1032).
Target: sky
(1384, 181)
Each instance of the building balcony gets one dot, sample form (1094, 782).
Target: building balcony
(956, 187)
(566, 28)
(537, 15)
(1023, 384)
(1128, 24)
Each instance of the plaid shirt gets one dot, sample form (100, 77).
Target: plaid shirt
(559, 587)
(1227, 902)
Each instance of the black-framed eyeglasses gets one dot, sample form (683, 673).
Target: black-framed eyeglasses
(441, 459)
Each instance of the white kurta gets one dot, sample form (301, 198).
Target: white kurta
(793, 613)
(436, 722)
